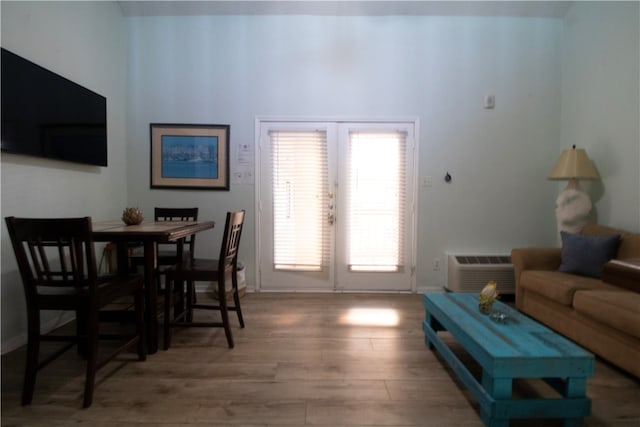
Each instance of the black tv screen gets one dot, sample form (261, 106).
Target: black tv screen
(47, 115)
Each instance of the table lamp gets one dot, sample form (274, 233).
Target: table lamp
(573, 205)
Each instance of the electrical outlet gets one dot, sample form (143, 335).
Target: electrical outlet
(436, 264)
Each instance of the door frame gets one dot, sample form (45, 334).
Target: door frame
(258, 120)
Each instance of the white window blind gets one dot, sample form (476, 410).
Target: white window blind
(376, 200)
(300, 188)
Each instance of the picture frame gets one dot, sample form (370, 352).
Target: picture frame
(190, 156)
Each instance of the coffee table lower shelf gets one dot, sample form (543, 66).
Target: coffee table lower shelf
(519, 348)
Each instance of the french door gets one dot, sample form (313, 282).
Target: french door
(336, 206)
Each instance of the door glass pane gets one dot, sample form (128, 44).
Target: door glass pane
(300, 188)
(376, 201)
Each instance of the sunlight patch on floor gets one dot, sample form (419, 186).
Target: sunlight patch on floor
(370, 317)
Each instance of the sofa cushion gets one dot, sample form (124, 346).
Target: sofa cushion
(618, 309)
(586, 255)
(557, 286)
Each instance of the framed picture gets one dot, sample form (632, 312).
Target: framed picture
(190, 156)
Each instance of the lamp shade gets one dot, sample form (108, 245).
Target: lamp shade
(573, 164)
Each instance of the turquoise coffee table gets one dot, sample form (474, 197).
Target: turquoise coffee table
(517, 348)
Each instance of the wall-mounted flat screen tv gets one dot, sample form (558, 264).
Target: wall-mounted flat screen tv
(47, 115)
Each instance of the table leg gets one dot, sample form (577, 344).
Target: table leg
(575, 388)
(151, 295)
(122, 261)
(499, 389)
(429, 320)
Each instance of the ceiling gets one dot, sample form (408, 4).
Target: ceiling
(551, 9)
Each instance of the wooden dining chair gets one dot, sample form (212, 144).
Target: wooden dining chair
(222, 270)
(57, 263)
(168, 252)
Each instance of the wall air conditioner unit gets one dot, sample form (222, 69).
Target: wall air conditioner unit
(469, 273)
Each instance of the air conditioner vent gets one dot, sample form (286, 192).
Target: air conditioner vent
(469, 273)
(483, 259)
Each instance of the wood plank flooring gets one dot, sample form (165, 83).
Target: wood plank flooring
(300, 361)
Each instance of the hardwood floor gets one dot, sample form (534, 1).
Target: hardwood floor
(300, 361)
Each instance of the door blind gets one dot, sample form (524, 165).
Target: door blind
(376, 200)
(300, 205)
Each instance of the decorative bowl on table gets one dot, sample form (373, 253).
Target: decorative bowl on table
(132, 216)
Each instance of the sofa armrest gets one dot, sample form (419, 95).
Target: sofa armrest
(534, 259)
(623, 273)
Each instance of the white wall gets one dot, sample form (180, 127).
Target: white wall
(601, 101)
(229, 69)
(85, 43)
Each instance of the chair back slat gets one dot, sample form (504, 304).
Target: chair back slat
(39, 257)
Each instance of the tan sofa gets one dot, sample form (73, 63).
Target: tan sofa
(600, 314)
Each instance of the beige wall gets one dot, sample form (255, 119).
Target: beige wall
(84, 42)
(230, 69)
(556, 82)
(601, 101)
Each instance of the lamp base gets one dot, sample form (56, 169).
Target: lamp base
(573, 207)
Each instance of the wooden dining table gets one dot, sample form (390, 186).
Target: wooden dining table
(149, 234)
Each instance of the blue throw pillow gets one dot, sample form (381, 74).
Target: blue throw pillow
(586, 255)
